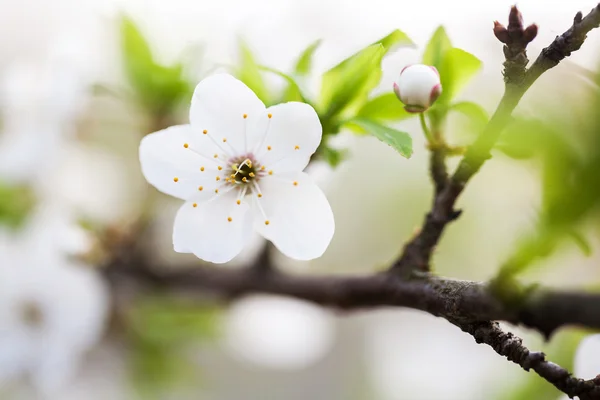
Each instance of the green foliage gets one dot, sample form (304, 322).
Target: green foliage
(160, 329)
(304, 63)
(385, 107)
(158, 88)
(477, 116)
(567, 154)
(249, 72)
(344, 95)
(437, 47)
(456, 68)
(293, 91)
(400, 141)
(345, 88)
(15, 204)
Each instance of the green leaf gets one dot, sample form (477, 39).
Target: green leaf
(293, 91)
(304, 63)
(333, 156)
(400, 141)
(395, 39)
(457, 68)
(436, 48)
(345, 88)
(16, 202)
(474, 112)
(581, 242)
(157, 88)
(342, 83)
(135, 47)
(249, 73)
(385, 107)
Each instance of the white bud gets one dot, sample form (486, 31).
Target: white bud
(418, 87)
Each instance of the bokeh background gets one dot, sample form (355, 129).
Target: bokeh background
(72, 116)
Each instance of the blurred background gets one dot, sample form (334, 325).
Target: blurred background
(82, 81)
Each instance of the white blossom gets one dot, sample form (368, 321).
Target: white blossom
(238, 165)
(587, 358)
(418, 87)
(52, 308)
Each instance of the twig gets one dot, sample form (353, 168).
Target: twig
(420, 248)
(511, 347)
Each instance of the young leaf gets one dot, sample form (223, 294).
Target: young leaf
(342, 83)
(304, 63)
(400, 141)
(157, 88)
(293, 91)
(346, 87)
(249, 73)
(436, 48)
(395, 39)
(385, 107)
(15, 204)
(457, 68)
(474, 112)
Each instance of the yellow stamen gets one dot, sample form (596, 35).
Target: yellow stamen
(245, 116)
(297, 147)
(244, 179)
(202, 169)
(259, 195)
(186, 145)
(219, 168)
(239, 202)
(271, 172)
(251, 174)
(200, 188)
(218, 178)
(267, 222)
(270, 115)
(269, 148)
(216, 190)
(195, 205)
(224, 140)
(176, 179)
(229, 219)
(295, 183)
(262, 168)
(215, 156)
(205, 131)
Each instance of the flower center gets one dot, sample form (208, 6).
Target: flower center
(243, 172)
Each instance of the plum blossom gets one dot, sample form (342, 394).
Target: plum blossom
(238, 165)
(418, 87)
(52, 308)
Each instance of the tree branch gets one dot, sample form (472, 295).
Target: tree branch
(455, 300)
(511, 347)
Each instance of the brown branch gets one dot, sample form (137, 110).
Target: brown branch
(455, 300)
(511, 347)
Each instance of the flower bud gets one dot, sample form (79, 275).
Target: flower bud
(418, 87)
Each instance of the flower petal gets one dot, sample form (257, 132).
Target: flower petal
(216, 230)
(587, 357)
(301, 222)
(285, 136)
(224, 107)
(175, 169)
